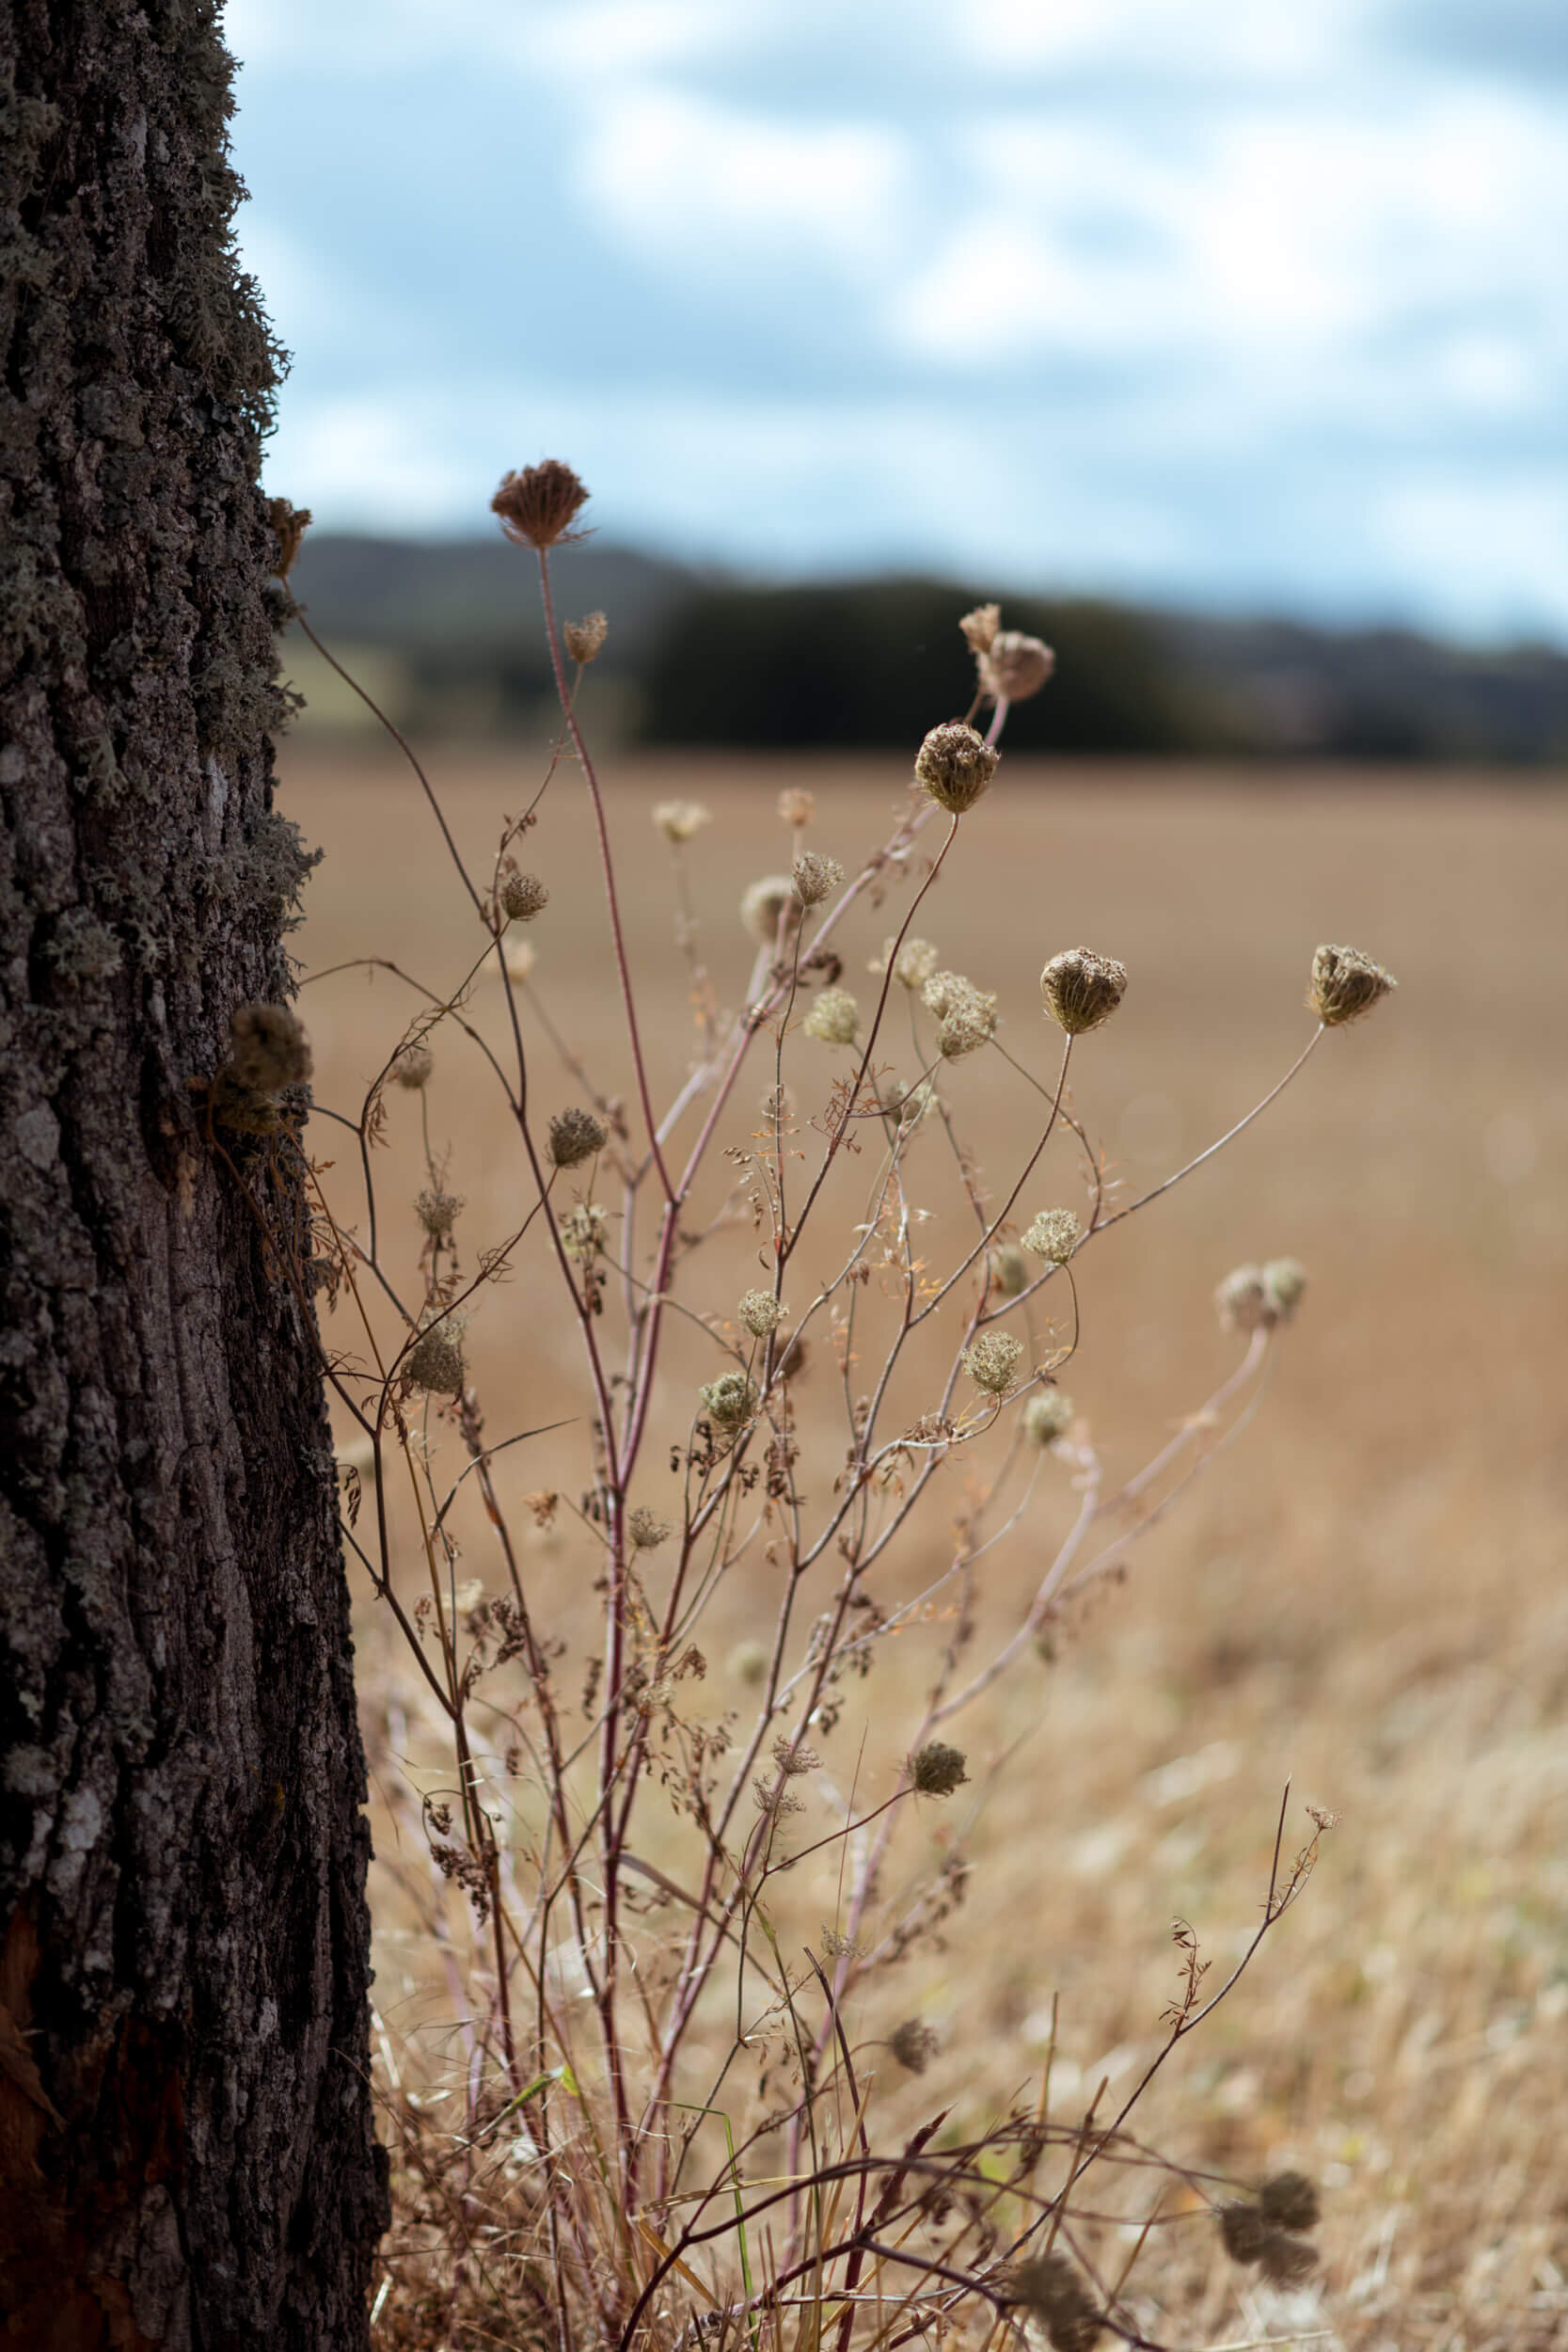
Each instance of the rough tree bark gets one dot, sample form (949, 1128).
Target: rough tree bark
(186, 2147)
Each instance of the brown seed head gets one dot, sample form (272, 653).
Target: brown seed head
(538, 506)
(1244, 2231)
(955, 766)
(980, 627)
(797, 806)
(914, 2045)
(1345, 984)
(647, 1529)
(585, 638)
(1289, 2200)
(437, 1212)
(576, 1135)
(414, 1067)
(1286, 2261)
(1051, 2288)
(815, 877)
(1015, 666)
(1082, 990)
(268, 1048)
(794, 1354)
(523, 896)
(936, 1769)
(434, 1362)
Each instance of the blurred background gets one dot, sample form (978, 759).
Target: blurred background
(1230, 347)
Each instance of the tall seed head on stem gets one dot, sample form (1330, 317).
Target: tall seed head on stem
(1015, 666)
(955, 765)
(584, 639)
(538, 506)
(576, 1135)
(1345, 984)
(1082, 990)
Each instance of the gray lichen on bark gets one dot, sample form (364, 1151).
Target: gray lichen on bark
(186, 2151)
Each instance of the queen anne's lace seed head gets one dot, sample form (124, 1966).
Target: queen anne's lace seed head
(1243, 2230)
(414, 1067)
(1053, 1234)
(731, 1401)
(1286, 2259)
(913, 964)
(1014, 666)
(538, 506)
(914, 2045)
(576, 1135)
(955, 765)
(1289, 2200)
(815, 877)
(523, 896)
(936, 1769)
(797, 806)
(1255, 1298)
(585, 638)
(1284, 1281)
(434, 1362)
(1345, 984)
(980, 627)
(519, 956)
(1082, 990)
(677, 820)
(647, 1529)
(1047, 1415)
(437, 1212)
(759, 1310)
(834, 1018)
(582, 1229)
(993, 1360)
(1052, 2291)
(1241, 1301)
(965, 1015)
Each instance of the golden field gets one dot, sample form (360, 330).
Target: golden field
(1367, 1597)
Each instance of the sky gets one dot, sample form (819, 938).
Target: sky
(1252, 305)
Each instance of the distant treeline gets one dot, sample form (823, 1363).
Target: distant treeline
(451, 638)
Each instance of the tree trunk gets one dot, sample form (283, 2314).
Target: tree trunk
(186, 2147)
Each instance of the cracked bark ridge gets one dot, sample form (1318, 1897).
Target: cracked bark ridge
(187, 2156)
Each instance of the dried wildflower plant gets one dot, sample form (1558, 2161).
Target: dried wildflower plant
(620, 1839)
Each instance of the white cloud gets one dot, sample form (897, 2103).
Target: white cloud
(1134, 37)
(705, 189)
